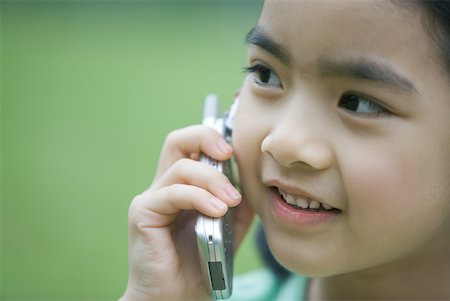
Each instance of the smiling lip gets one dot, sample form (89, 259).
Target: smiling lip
(284, 213)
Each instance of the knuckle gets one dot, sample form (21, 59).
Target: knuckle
(175, 191)
(140, 211)
(133, 213)
(135, 206)
(176, 134)
(181, 164)
(135, 201)
(172, 137)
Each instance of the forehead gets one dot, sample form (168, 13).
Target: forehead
(383, 30)
(348, 11)
(367, 26)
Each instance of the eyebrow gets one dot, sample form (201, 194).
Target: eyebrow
(366, 68)
(360, 68)
(257, 36)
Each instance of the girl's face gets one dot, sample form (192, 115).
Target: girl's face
(346, 106)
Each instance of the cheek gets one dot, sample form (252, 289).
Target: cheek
(397, 196)
(246, 150)
(248, 134)
(245, 140)
(376, 180)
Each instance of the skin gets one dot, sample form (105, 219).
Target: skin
(388, 173)
(161, 244)
(385, 166)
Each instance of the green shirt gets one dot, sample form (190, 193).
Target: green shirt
(263, 285)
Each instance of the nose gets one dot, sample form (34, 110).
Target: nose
(299, 141)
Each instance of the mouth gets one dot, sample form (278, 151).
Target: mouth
(303, 203)
(301, 210)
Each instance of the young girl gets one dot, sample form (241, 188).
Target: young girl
(342, 137)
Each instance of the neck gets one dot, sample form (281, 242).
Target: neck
(424, 275)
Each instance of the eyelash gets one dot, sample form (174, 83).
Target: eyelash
(349, 101)
(258, 70)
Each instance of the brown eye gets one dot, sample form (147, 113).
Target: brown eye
(264, 76)
(360, 105)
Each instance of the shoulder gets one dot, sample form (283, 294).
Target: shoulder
(263, 285)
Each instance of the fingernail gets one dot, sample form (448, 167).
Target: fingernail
(223, 146)
(232, 192)
(218, 204)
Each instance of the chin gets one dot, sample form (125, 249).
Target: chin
(306, 260)
(311, 269)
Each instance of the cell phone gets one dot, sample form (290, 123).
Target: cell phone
(215, 235)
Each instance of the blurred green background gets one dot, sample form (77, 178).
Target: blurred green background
(89, 90)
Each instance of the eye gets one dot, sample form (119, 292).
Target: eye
(361, 105)
(263, 76)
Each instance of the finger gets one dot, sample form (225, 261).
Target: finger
(160, 208)
(190, 172)
(191, 141)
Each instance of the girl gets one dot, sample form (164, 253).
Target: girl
(343, 144)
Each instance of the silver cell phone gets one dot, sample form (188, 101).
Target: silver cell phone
(215, 235)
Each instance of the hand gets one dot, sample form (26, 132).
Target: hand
(163, 255)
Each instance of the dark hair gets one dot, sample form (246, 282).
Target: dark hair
(437, 23)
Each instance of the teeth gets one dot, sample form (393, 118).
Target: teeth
(303, 203)
(290, 200)
(327, 207)
(314, 205)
